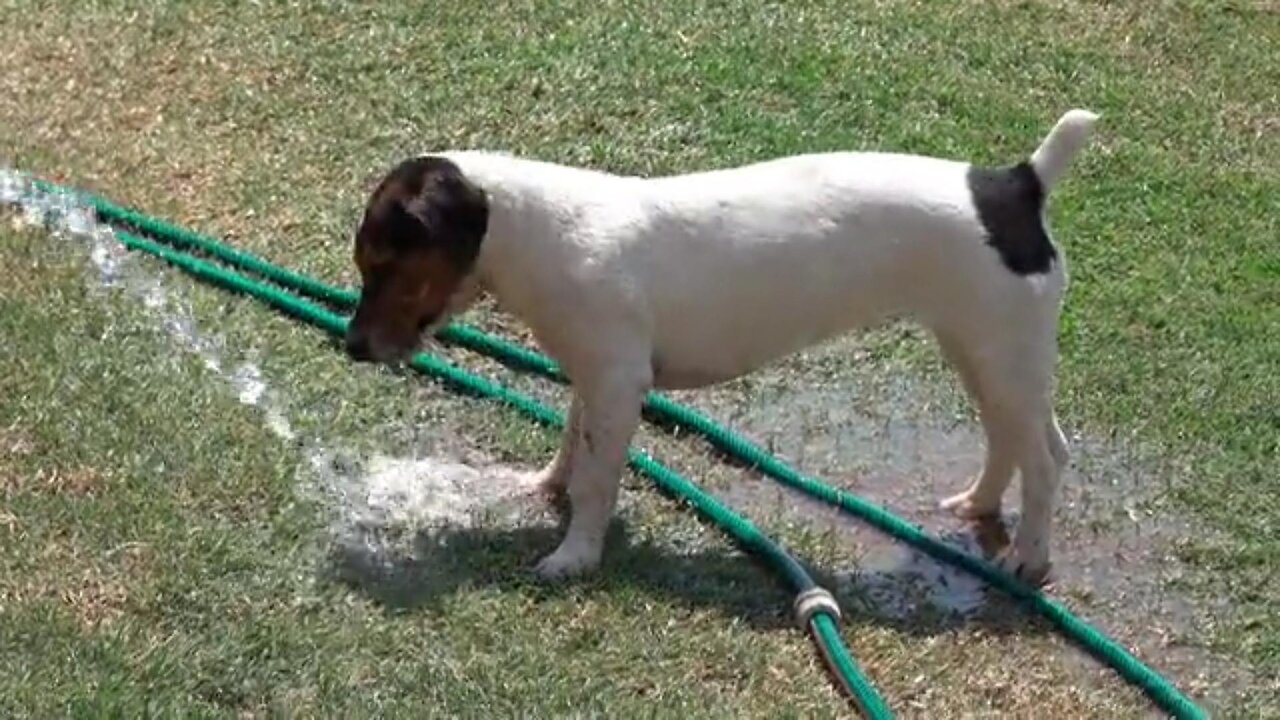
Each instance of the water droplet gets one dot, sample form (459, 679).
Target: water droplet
(12, 186)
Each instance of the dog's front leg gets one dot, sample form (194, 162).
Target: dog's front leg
(610, 413)
(554, 478)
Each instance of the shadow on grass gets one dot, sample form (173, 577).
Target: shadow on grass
(443, 562)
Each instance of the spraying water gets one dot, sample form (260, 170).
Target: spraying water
(372, 500)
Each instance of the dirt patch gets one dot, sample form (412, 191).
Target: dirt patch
(8, 520)
(74, 482)
(79, 482)
(103, 590)
(15, 443)
(95, 599)
(96, 591)
(1255, 123)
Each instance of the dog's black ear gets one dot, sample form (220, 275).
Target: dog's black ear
(406, 224)
(427, 203)
(454, 211)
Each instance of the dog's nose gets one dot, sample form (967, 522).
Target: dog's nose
(358, 347)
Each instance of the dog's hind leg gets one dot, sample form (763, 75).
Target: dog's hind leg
(1017, 378)
(982, 498)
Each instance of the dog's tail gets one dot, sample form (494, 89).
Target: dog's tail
(1062, 144)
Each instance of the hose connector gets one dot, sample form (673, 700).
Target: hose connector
(812, 601)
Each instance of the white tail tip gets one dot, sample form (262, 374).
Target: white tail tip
(1061, 145)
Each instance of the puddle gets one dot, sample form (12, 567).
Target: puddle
(898, 446)
(388, 508)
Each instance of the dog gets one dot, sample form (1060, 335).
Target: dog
(684, 281)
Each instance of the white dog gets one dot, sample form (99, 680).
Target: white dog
(684, 281)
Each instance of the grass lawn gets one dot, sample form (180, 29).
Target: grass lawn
(161, 552)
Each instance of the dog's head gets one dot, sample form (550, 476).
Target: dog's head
(416, 250)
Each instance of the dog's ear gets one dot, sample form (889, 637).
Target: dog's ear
(467, 205)
(427, 203)
(406, 225)
(452, 212)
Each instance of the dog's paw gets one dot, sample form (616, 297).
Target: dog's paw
(539, 485)
(550, 481)
(566, 563)
(968, 506)
(1031, 568)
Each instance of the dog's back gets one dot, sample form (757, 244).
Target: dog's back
(726, 270)
(744, 265)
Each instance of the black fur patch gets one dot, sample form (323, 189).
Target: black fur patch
(1009, 201)
(427, 202)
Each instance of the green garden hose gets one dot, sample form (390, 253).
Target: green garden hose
(664, 410)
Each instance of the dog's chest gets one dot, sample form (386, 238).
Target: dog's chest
(712, 323)
(683, 373)
(715, 357)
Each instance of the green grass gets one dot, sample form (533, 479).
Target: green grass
(159, 555)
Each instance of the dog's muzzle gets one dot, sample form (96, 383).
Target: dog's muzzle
(358, 347)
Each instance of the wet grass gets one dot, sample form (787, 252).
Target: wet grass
(159, 555)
